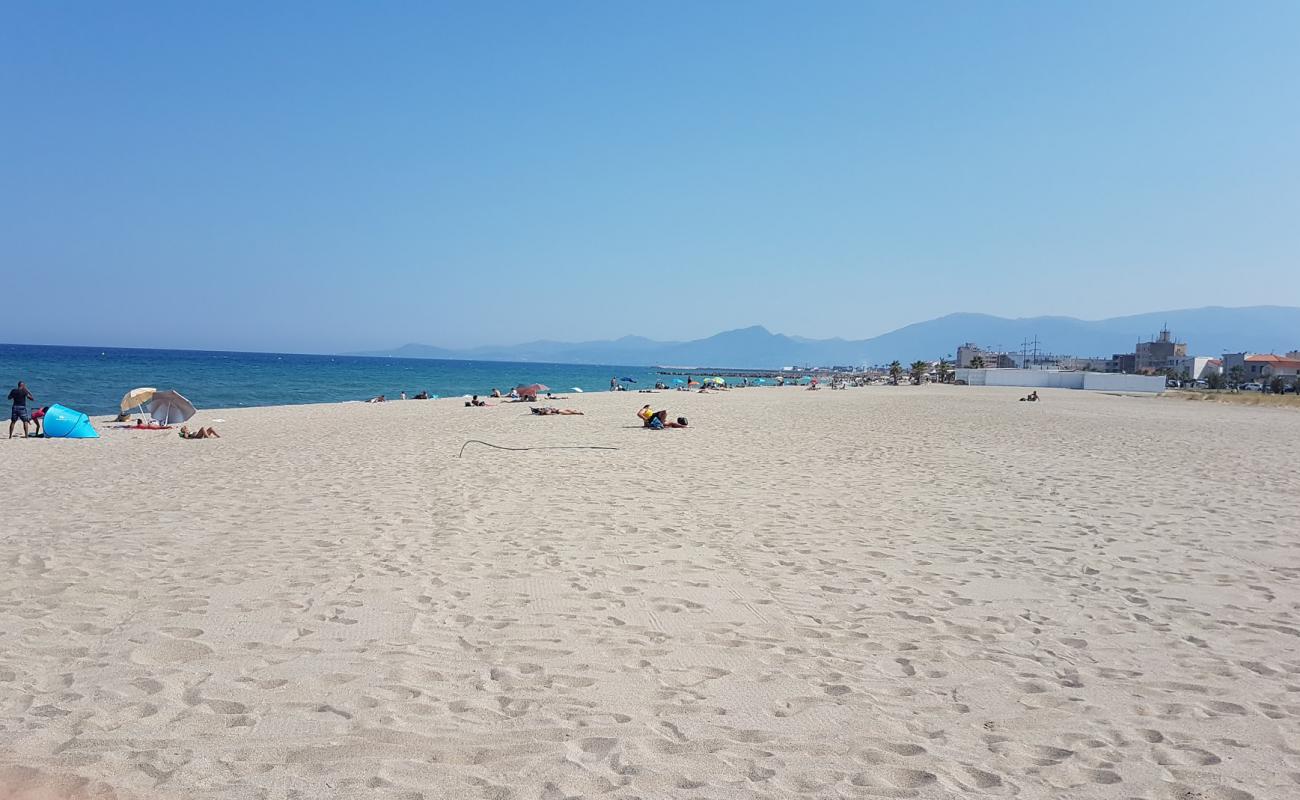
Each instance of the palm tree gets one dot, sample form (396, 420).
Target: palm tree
(895, 372)
(918, 370)
(945, 371)
(977, 362)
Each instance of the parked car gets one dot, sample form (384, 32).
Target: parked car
(1252, 387)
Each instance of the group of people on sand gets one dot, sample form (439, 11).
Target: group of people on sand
(379, 398)
(1032, 397)
(654, 420)
(20, 396)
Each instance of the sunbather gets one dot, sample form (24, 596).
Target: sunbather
(141, 426)
(549, 410)
(201, 433)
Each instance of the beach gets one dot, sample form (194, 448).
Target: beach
(903, 592)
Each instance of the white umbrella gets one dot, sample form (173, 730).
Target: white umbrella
(170, 407)
(136, 398)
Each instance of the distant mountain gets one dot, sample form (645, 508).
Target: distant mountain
(1208, 331)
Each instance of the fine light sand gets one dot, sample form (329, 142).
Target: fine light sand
(882, 592)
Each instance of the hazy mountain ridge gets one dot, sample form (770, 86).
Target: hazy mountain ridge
(1210, 331)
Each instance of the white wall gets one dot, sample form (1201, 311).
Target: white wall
(1055, 379)
(1114, 382)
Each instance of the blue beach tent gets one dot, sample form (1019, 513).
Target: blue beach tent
(62, 422)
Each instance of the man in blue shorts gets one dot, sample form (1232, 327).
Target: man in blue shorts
(20, 396)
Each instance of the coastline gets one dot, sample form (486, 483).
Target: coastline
(895, 591)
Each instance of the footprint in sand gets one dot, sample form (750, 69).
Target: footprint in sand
(169, 651)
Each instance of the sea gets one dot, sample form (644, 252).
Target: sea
(94, 379)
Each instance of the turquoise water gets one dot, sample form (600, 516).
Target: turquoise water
(93, 380)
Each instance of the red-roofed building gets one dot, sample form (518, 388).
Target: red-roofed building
(1262, 366)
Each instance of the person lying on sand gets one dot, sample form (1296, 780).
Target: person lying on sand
(658, 420)
(1032, 398)
(377, 399)
(140, 426)
(546, 411)
(201, 433)
(475, 402)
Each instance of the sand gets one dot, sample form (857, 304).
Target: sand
(882, 592)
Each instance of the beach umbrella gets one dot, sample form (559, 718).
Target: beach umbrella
(136, 398)
(62, 422)
(525, 390)
(577, 389)
(678, 380)
(761, 380)
(626, 379)
(170, 407)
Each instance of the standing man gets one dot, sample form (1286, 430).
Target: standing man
(20, 396)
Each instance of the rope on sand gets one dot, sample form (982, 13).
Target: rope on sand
(546, 447)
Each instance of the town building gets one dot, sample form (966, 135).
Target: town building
(1099, 364)
(1122, 362)
(1261, 366)
(1158, 354)
(1196, 367)
(967, 353)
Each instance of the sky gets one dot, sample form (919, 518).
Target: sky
(330, 176)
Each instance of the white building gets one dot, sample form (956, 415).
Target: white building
(1198, 367)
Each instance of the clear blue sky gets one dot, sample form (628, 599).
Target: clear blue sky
(319, 176)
